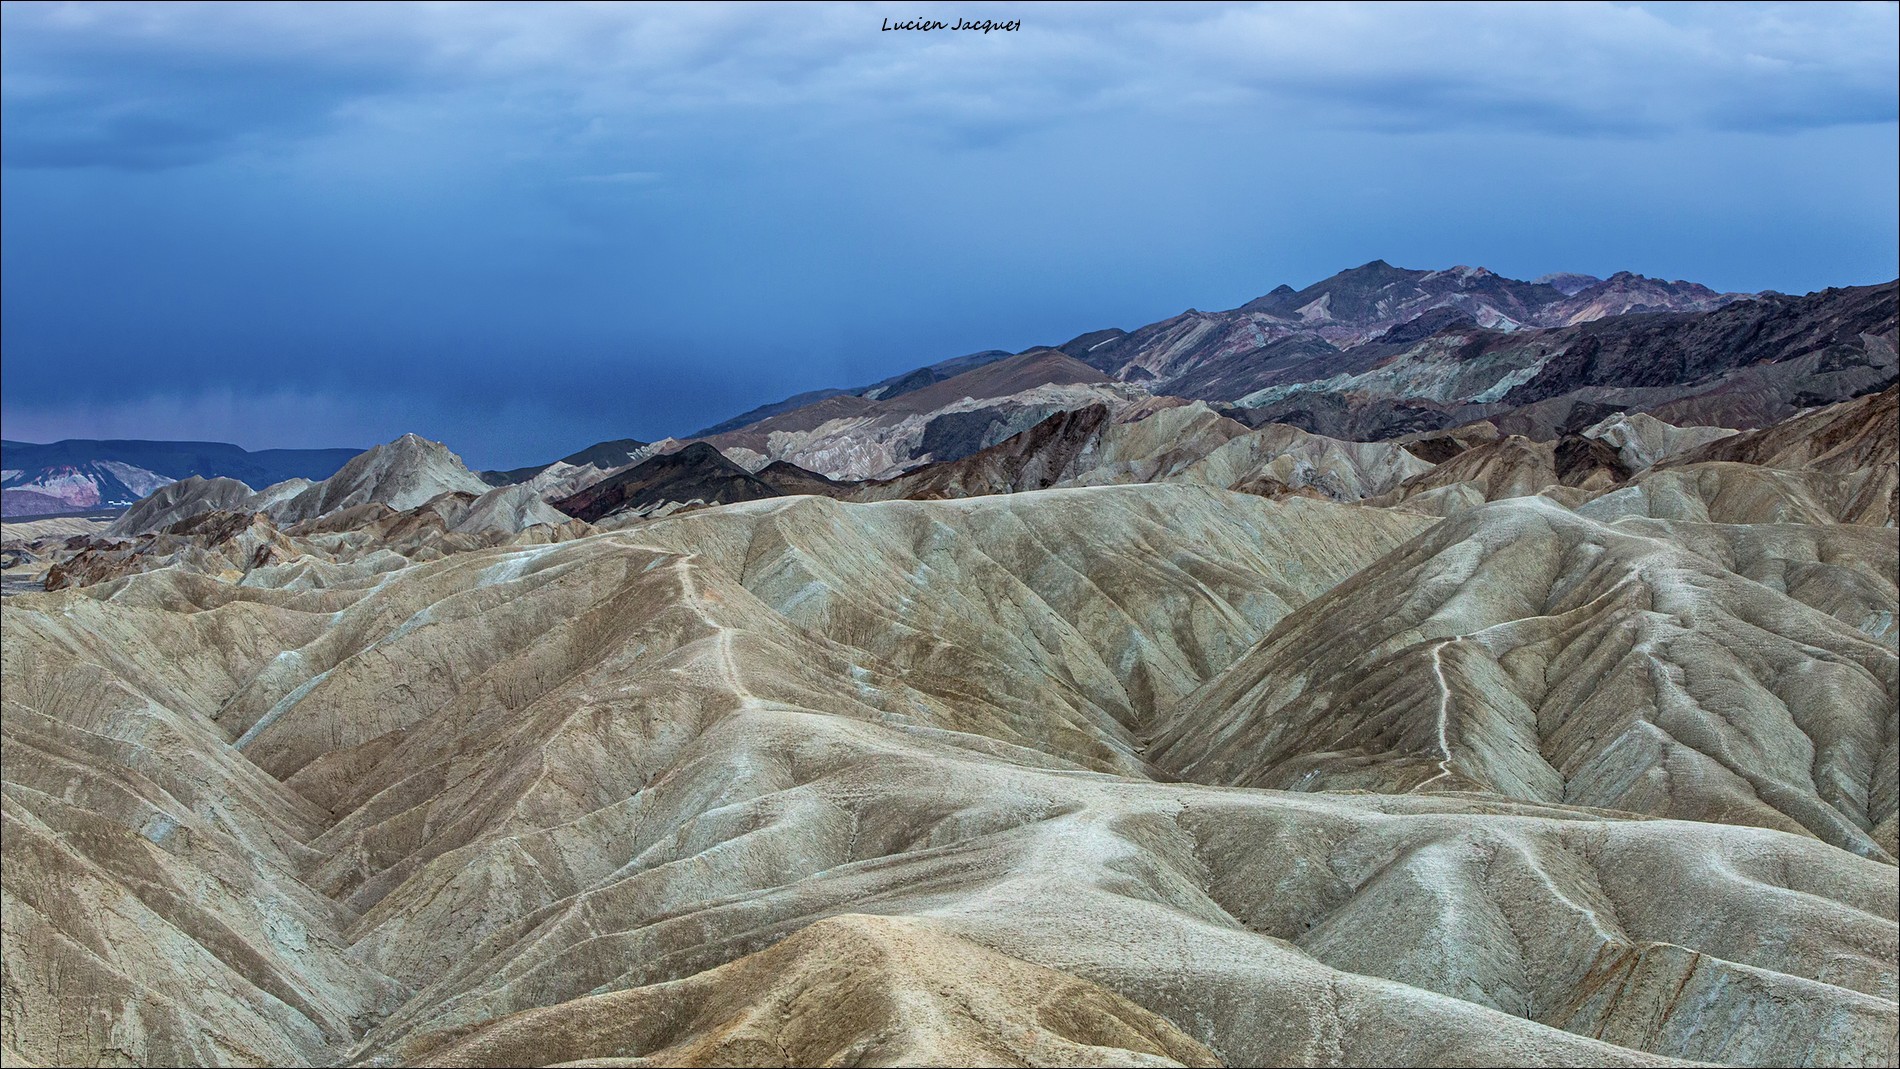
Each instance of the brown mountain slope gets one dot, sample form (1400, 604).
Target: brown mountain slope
(1841, 438)
(850, 437)
(697, 474)
(1035, 459)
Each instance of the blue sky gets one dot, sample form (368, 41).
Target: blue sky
(524, 229)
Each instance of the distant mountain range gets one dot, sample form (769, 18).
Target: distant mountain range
(1347, 309)
(79, 474)
(1370, 354)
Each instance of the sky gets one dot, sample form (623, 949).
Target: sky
(524, 229)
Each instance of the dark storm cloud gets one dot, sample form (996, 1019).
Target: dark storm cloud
(144, 87)
(130, 84)
(151, 115)
(524, 228)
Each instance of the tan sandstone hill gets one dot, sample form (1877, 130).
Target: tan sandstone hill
(800, 779)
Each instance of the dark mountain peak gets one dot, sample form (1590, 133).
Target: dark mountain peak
(699, 453)
(790, 470)
(1351, 290)
(1095, 347)
(1568, 283)
(1375, 273)
(1280, 291)
(788, 478)
(698, 473)
(606, 454)
(1629, 281)
(1436, 321)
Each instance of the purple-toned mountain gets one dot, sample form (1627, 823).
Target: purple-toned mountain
(1743, 364)
(1299, 334)
(1380, 350)
(79, 475)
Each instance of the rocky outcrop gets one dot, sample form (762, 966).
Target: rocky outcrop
(221, 544)
(1642, 441)
(850, 437)
(181, 501)
(402, 474)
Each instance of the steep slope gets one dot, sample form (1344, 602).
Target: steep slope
(402, 474)
(1514, 466)
(1641, 440)
(1839, 464)
(1705, 672)
(507, 509)
(181, 500)
(850, 437)
(876, 990)
(1841, 438)
(1035, 459)
(1160, 442)
(602, 456)
(1145, 442)
(696, 475)
(1723, 492)
(1281, 459)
